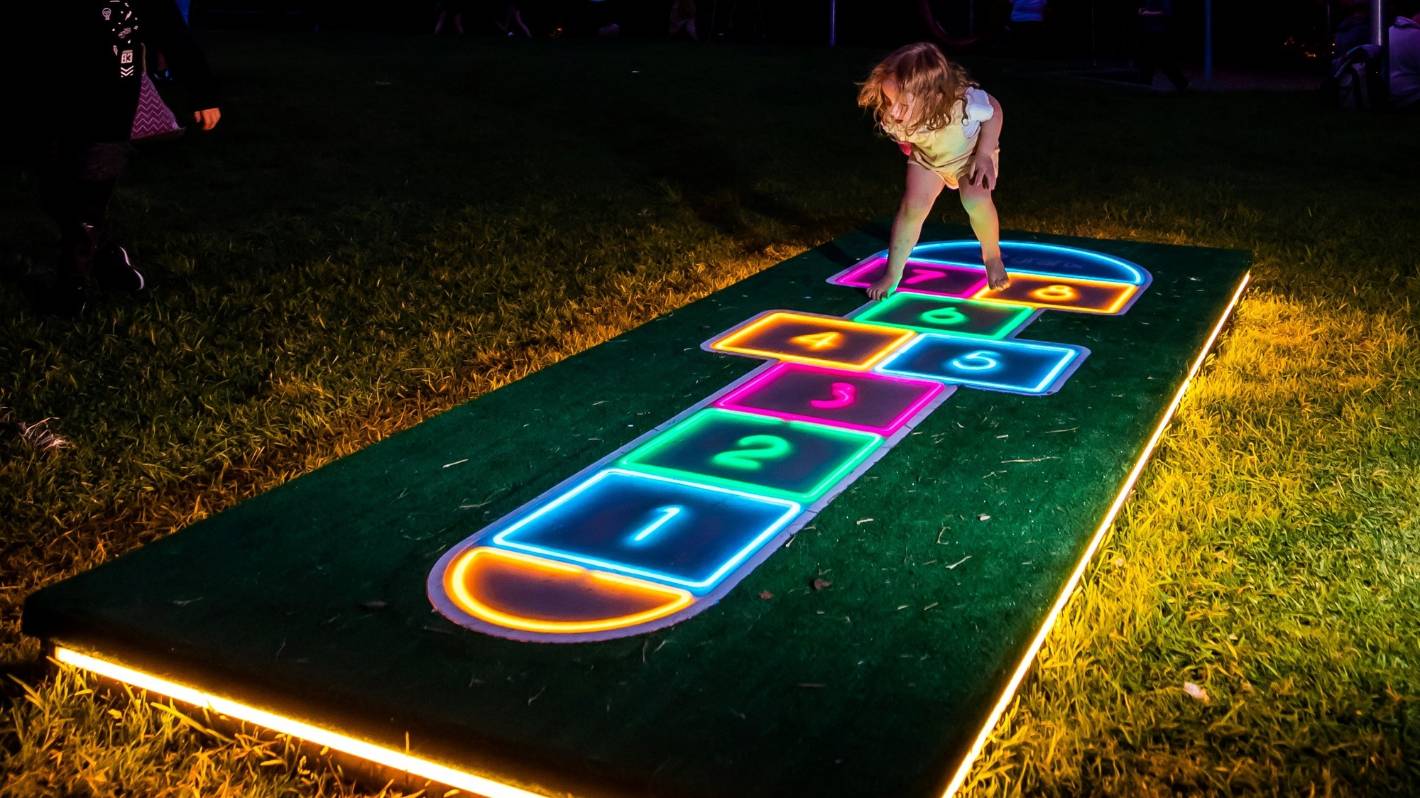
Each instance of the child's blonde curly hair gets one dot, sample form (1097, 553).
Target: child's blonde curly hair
(922, 73)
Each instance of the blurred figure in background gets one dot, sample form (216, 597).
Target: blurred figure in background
(1157, 44)
(1405, 56)
(449, 10)
(1353, 28)
(683, 19)
(512, 21)
(1027, 28)
(85, 107)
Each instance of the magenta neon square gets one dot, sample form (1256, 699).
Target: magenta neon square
(919, 277)
(849, 399)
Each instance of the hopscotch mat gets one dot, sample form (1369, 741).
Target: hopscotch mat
(780, 541)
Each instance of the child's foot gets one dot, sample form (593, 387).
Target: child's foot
(883, 286)
(996, 275)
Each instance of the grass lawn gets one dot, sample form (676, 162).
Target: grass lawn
(383, 227)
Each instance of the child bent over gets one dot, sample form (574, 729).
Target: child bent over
(950, 131)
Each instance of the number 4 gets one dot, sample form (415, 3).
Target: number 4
(817, 341)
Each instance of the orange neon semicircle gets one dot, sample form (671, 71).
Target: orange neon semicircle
(534, 594)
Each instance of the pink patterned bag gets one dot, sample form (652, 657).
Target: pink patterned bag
(154, 120)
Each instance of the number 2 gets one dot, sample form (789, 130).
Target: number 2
(757, 448)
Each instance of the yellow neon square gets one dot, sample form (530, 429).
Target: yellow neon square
(1062, 293)
(813, 339)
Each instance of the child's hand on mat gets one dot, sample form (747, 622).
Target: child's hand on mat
(983, 171)
(883, 286)
(207, 118)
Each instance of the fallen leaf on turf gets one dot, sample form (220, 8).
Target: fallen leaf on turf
(1195, 691)
(820, 584)
(766, 595)
(983, 517)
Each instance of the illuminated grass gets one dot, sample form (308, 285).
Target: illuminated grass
(314, 299)
(1269, 559)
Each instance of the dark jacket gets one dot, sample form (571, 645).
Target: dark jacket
(88, 59)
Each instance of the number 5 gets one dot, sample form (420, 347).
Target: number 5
(980, 360)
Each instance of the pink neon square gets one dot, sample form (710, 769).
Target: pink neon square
(918, 277)
(850, 399)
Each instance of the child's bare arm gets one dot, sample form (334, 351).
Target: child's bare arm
(983, 162)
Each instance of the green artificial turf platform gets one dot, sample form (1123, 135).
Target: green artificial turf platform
(864, 657)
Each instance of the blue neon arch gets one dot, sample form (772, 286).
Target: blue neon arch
(1029, 257)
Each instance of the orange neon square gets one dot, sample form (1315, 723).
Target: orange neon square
(1062, 293)
(812, 339)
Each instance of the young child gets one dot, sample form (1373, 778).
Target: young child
(950, 131)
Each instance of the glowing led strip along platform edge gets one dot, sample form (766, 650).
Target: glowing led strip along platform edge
(963, 768)
(490, 786)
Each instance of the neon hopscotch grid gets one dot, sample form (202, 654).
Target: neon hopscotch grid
(660, 529)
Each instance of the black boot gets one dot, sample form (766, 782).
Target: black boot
(69, 293)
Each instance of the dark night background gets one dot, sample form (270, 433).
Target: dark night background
(1283, 34)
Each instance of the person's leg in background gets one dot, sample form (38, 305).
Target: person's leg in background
(76, 182)
(1169, 62)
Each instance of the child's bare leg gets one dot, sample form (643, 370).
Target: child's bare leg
(984, 222)
(921, 192)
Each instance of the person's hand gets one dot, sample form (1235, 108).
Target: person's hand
(983, 171)
(207, 118)
(883, 286)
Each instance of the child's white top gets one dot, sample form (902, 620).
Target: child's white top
(947, 149)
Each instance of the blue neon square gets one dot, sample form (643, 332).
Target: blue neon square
(1013, 366)
(662, 529)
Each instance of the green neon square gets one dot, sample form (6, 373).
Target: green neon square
(721, 447)
(992, 321)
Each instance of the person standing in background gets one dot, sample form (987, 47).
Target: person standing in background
(1028, 28)
(683, 19)
(1157, 45)
(1405, 56)
(83, 112)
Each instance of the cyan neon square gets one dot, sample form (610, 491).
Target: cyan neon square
(759, 454)
(652, 527)
(1013, 366)
(946, 315)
